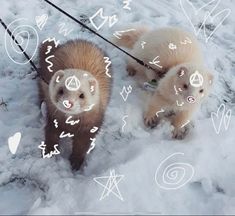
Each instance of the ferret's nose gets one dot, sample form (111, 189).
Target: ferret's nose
(71, 103)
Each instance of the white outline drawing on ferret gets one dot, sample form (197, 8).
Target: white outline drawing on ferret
(179, 104)
(142, 44)
(187, 40)
(56, 42)
(196, 79)
(155, 62)
(42, 146)
(49, 62)
(89, 108)
(108, 62)
(160, 111)
(71, 122)
(92, 146)
(172, 46)
(94, 129)
(72, 83)
(63, 135)
(67, 104)
(56, 123)
(112, 20)
(125, 92)
(21, 40)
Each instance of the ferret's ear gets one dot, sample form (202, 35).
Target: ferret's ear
(93, 85)
(58, 76)
(210, 78)
(182, 70)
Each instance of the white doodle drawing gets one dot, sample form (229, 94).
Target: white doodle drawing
(56, 42)
(191, 99)
(63, 135)
(48, 50)
(176, 91)
(71, 122)
(63, 30)
(72, 83)
(57, 79)
(41, 21)
(125, 92)
(195, 13)
(118, 34)
(126, 4)
(183, 125)
(172, 176)
(220, 117)
(92, 146)
(89, 108)
(155, 62)
(67, 104)
(56, 123)
(124, 120)
(108, 63)
(94, 129)
(179, 104)
(42, 146)
(49, 62)
(113, 20)
(227, 118)
(111, 185)
(187, 40)
(13, 142)
(196, 79)
(160, 111)
(22, 33)
(92, 88)
(172, 46)
(98, 14)
(142, 44)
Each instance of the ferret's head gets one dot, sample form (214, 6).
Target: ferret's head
(74, 91)
(190, 83)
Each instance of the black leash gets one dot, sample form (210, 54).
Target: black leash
(25, 54)
(17, 43)
(82, 24)
(99, 35)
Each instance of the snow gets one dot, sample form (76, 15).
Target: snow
(30, 184)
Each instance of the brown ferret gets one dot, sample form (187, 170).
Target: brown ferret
(76, 91)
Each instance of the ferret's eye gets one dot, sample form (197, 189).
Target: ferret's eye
(185, 86)
(201, 90)
(60, 92)
(154, 80)
(82, 96)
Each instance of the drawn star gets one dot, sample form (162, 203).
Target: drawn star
(111, 185)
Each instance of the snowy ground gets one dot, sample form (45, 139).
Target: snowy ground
(32, 185)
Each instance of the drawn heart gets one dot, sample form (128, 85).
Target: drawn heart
(13, 142)
(216, 20)
(112, 20)
(189, 9)
(227, 118)
(217, 118)
(41, 21)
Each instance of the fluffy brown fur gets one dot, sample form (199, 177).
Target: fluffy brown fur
(84, 57)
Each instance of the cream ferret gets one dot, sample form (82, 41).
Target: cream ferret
(178, 95)
(77, 94)
(169, 51)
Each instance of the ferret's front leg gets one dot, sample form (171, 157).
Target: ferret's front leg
(51, 136)
(81, 144)
(181, 123)
(155, 110)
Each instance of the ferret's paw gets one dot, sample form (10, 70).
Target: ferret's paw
(151, 121)
(131, 71)
(180, 133)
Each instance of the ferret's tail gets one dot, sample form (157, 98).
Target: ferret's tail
(128, 38)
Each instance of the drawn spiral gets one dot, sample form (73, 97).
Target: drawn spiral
(22, 34)
(174, 175)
